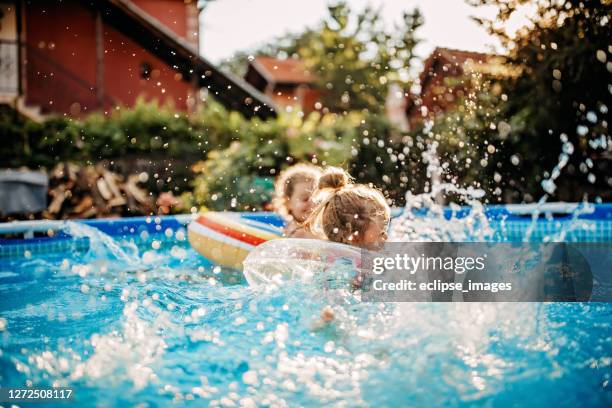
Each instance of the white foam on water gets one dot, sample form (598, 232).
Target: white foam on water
(129, 352)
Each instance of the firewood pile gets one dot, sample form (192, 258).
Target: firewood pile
(93, 191)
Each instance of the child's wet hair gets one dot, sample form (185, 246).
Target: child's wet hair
(334, 178)
(345, 209)
(286, 182)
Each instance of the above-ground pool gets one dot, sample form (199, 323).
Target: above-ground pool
(127, 314)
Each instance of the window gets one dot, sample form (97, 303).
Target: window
(145, 70)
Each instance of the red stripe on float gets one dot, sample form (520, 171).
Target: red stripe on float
(225, 230)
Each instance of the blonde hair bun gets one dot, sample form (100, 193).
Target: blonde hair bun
(335, 178)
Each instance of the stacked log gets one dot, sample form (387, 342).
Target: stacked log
(94, 191)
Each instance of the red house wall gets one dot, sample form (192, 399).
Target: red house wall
(60, 56)
(61, 63)
(172, 13)
(291, 94)
(122, 62)
(310, 98)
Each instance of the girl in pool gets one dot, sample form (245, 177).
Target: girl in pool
(352, 214)
(293, 200)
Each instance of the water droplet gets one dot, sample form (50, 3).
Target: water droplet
(591, 117)
(249, 377)
(601, 56)
(549, 186)
(582, 130)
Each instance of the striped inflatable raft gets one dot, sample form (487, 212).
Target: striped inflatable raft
(226, 238)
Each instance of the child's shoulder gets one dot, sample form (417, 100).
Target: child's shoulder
(299, 231)
(289, 229)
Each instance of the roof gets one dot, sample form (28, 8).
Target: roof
(231, 91)
(286, 71)
(460, 55)
(465, 60)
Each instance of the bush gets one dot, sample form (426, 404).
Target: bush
(146, 129)
(148, 137)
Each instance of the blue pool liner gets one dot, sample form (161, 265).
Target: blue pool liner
(515, 218)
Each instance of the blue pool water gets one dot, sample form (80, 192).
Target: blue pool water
(133, 316)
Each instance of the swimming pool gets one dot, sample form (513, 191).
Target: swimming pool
(126, 313)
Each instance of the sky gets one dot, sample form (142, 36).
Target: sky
(227, 26)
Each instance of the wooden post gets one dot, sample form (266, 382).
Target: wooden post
(21, 43)
(99, 60)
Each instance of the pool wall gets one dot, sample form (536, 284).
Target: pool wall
(584, 223)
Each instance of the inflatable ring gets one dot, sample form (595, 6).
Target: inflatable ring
(226, 238)
(301, 259)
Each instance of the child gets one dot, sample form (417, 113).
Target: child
(293, 198)
(352, 214)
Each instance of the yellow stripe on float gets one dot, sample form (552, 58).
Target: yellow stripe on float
(220, 253)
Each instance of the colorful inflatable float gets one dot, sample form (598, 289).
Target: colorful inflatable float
(226, 238)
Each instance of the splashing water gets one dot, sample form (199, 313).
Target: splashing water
(567, 149)
(147, 320)
(429, 223)
(131, 331)
(424, 217)
(102, 246)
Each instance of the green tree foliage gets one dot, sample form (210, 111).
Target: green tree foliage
(562, 93)
(354, 56)
(143, 130)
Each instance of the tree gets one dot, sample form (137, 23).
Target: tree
(558, 106)
(354, 56)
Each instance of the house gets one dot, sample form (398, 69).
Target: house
(287, 82)
(437, 92)
(77, 56)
